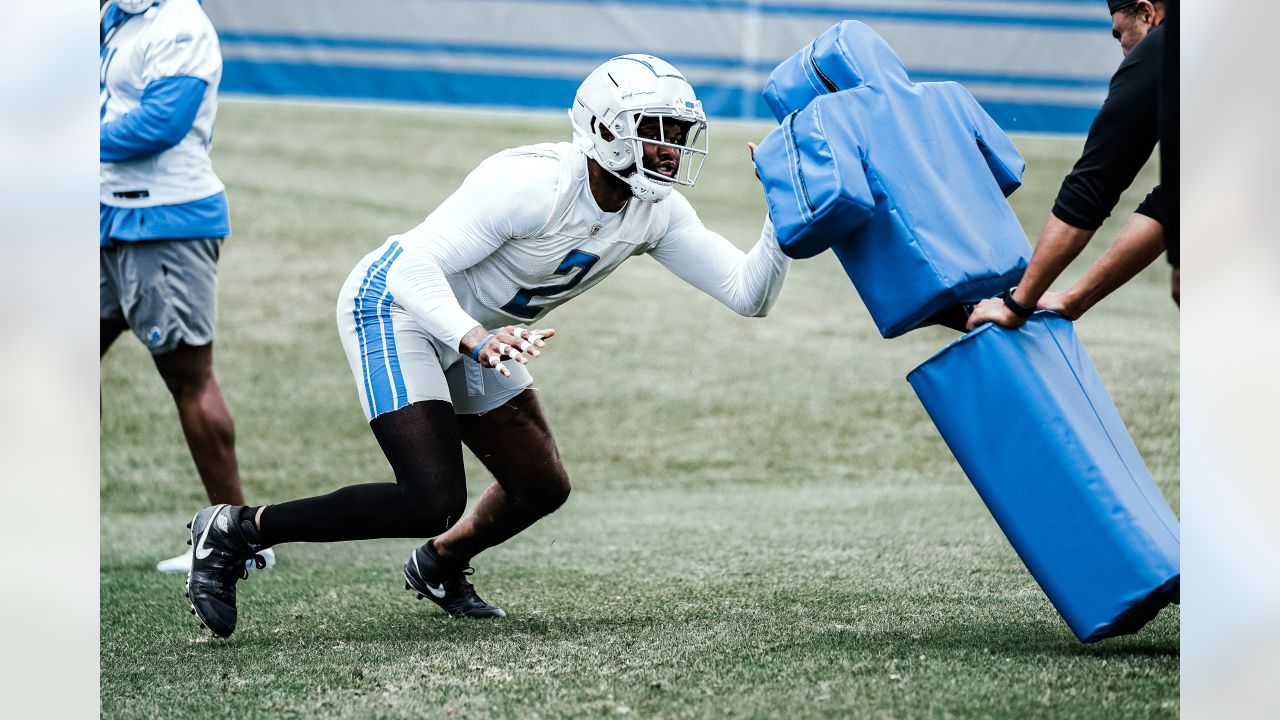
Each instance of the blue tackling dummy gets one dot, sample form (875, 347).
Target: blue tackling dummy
(1027, 417)
(905, 181)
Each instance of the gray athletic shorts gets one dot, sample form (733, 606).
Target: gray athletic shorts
(165, 290)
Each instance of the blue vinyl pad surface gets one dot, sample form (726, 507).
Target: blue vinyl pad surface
(1026, 415)
(905, 182)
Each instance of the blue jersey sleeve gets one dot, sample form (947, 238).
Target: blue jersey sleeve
(164, 116)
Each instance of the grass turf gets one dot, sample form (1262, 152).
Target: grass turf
(764, 523)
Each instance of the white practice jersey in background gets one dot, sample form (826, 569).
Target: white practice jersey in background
(174, 39)
(523, 234)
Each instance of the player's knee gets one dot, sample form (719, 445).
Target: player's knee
(437, 510)
(184, 383)
(551, 494)
(451, 509)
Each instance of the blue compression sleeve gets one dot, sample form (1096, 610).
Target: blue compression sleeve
(165, 115)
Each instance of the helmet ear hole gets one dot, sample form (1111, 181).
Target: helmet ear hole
(603, 131)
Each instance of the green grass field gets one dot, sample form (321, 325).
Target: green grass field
(764, 524)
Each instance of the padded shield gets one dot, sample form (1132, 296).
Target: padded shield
(824, 66)
(1026, 415)
(905, 181)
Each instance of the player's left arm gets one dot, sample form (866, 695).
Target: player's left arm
(178, 70)
(164, 116)
(747, 283)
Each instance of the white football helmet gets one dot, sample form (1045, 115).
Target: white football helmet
(618, 96)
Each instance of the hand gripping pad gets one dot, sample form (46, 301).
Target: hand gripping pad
(1027, 417)
(936, 231)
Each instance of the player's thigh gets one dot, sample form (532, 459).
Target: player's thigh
(516, 444)
(111, 322)
(392, 358)
(186, 368)
(108, 331)
(167, 291)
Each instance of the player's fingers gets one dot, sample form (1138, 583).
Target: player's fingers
(538, 337)
(495, 362)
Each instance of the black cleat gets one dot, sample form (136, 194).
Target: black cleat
(222, 545)
(429, 576)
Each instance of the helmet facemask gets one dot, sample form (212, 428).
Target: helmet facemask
(690, 144)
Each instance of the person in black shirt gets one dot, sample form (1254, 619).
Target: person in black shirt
(1119, 143)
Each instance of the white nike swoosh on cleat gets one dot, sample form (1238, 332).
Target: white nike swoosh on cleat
(201, 551)
(437, 592)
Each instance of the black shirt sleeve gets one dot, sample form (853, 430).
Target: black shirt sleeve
(1169, 134)
(1153, 206)
(1120, 141)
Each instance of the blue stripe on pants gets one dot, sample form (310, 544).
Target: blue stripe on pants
(384, 383)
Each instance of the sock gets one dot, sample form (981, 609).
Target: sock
(449, 566)
(249, 531)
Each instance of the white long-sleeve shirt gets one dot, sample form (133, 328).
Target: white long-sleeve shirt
(173, 39)
(523, 234)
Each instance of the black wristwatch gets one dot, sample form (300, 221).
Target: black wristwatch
(1018, 308)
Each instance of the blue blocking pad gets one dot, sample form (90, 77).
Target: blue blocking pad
(905, 181)
(826, 65)
(1027, 417)
(814, 180)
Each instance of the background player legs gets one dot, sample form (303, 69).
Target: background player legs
(206, 419)
(108, 331)
(515, 443)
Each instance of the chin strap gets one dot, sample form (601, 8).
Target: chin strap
(642, 186)
(648, 189)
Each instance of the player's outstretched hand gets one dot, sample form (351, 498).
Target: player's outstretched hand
(513, 343)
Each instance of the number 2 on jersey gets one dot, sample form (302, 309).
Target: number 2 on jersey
(519, 305)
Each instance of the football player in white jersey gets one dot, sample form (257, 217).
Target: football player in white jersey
(163, 215)
(430, 323)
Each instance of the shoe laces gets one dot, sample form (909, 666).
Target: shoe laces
(238, 570)
(467, 591)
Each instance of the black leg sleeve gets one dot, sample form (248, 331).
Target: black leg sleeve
(422, 443)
